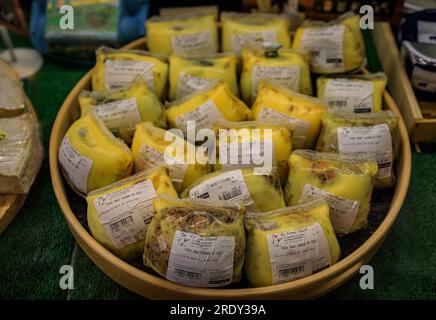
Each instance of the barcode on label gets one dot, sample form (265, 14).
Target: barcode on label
(234, 192)
(218, 282)
(337, 103)
(291, 271)
(123, 222)
(314, 53)
(187, 274)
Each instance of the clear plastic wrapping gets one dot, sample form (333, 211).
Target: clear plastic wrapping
(240, 29)
(353, 93)
(188, 75)
(289, 243)
(366, 133)
(121, 109)
(12, 97)
(116, 68)
(254, 190)
(119, 214)
(196, 242)
(345, 182)
(21, 153)
(187, 34)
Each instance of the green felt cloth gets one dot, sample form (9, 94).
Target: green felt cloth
(38, 242)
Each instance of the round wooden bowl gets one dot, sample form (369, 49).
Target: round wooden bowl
(154, 287)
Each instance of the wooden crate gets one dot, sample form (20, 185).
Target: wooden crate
(420, 129)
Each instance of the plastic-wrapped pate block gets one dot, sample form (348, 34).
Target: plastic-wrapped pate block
(289, 243)
(198, 243)
(21, 153)
(189, 34)
(286, 67)
(364, 133)
(353, 93)
(119, 214)
(122, 109)
(345, 182)
(91, 157)
(241, 29)
(256, 191)
(117, 68)
(188, 75)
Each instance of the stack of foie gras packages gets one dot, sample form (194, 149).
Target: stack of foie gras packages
(21, 149)
(212, 167)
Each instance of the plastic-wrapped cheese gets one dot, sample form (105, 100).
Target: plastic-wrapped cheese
(189, 34)
(188, 75)
(265, 144)
(12, 97)
(216, 102)
(150, 149)
(289, 243)
(117, 68)
(121, 109)
(345, 183)
(352, 93)
(302, 112)
(240, 29)
(285, 67)
(367, 133)
(335, 47)
(256, 191)
(21, 153)
(197, 243)
(91, 157)
(119, 214)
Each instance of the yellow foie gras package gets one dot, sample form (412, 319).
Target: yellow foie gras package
(188, 34)
(150, 149)
(367, 133)
(119, 214)
(121, 109)
(345, 183)
(207, 106)
(198, 243)
(188, 75)
(263, 144)
(286, 67)
(352, 93)
(257, 191)
(289, 243)
(117, 68)
(303, 113)
(91, 157)
(335, 47)
(240, 29)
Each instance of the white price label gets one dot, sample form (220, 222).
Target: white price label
(204, 116)
(239, 40)
(427, 32)
(194, 43)
(299, 253)
(75, 166)
(188, 84)
(423, 79)
(120, 73)
(348, 95)
(126, 213)
(201, 261)
(286, 76)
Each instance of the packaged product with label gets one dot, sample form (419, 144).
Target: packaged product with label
(121, 109)
(289, 243)
(353, 93)
(335, 46)
(187, 34)
(264, 145)
(365, 133)
(119, 214)
(116, 68)
(345, 183)
(12, 97)
(203, 108)
(21, 153)
(303, 113)
(194, 242)
(286, 67)
(257, 191)
(240, 29)
(189, 75)
(91, 157)
(154, 147)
